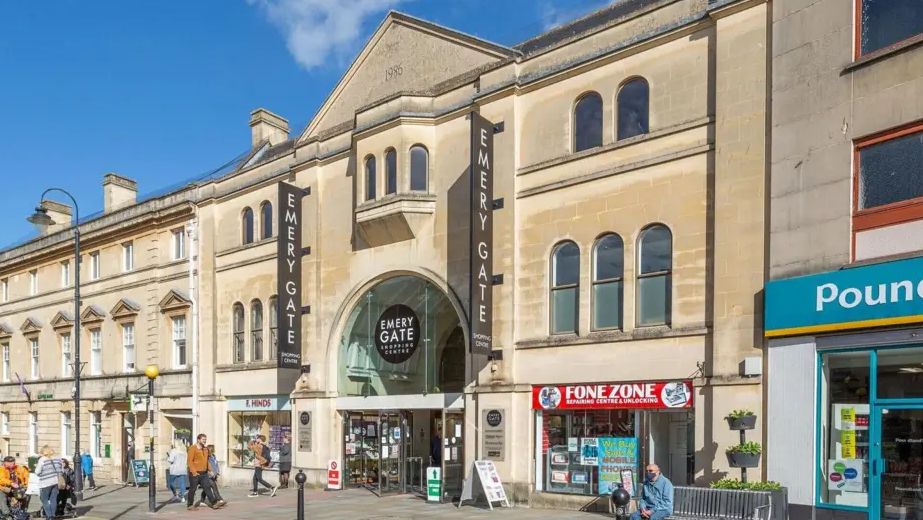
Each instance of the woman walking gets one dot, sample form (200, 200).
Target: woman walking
(50, 473)
(285, 461)
(176, 458)
(213, 472)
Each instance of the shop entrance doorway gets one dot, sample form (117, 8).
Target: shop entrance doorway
(896, 469)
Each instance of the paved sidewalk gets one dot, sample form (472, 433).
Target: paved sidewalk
(115, 502)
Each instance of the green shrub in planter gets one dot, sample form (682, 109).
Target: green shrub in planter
(745, 455)
(741, 420)
(729, 483)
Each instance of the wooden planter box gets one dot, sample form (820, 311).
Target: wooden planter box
(742, 423)
(743, 460)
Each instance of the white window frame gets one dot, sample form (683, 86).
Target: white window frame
(94, 265)
(178, 244)
(96, 352)
(66, 353)
(33, 282)
(128, 348)
(5, 289)
(34, 358)
(33, 433)
(5, 423)
(66, 273)
(6, 362)
(95, 434)
(179, 334)
(66, 434)
(128, 256)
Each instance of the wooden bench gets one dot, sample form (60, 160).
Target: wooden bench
(696, 503)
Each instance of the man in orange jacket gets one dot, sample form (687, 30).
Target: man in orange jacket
(12, 477)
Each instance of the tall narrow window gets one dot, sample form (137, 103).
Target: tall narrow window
(179, 342)
(65, 273)
(96, 351)
(633, 108)
(96, 434)
(65, 433)
(266, 220)
(256, 331)
(565, 280)
(128, 256)
(33, 282)
(6, 362)
(128, 347)
(179, 244)
(4, 423)
(33, 351)
(608, 270)
(419, 168)
(5, 290)
(370, 189)
(67, 369)
(390, 172)
(588, 122)
(655, 265)
(33, 433)
(246, 222)
(238, 339)
(94, 265)
(273, 326)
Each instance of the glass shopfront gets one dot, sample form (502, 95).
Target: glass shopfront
(250, 417)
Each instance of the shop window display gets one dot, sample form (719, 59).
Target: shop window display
(245, 426)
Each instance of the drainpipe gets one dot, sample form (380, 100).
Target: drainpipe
(194, 296)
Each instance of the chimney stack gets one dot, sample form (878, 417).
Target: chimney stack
(60, 213)
(266, 125)
(118, 192)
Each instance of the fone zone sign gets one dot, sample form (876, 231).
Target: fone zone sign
(482, 233)
(289, 276)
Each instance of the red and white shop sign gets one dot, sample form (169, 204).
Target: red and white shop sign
(333, 475)
(673, 394)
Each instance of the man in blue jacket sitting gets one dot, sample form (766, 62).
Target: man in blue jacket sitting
(656, 496)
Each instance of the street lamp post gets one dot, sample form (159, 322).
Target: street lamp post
(152, 371)
(41, 220)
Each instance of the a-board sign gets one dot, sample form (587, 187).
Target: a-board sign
(140, 472)
(333, 475)
(433, 483)
(483, 481)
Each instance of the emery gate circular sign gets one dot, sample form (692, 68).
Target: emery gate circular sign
(397, 334)
(494, 418)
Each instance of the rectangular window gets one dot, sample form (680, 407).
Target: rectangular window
(179, 244)
(96, 352)
(6, 363)
(128, 346)
(94, 265)
(65, 433)
(844, 425)
(33, 349)
(243, 426)
(128, 256)
(65, 273)
(5, 289)
(66, 363)
(5, 423)
(654, 300)
(33, 282)
(33, 433)
(889, 179)
(179, 342)
(882, 23)
(96, 434)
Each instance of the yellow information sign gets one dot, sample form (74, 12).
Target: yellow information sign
(848, 442)
(848, 415)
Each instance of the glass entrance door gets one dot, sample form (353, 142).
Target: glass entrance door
(897, 464)
(393, 436)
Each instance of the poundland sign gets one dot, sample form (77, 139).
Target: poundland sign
(877, 295)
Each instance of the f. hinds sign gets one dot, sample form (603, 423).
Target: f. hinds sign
(289, 276)
(674, 394)
(877, 295)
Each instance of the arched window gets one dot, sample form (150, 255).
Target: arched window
(390, 172)
(633, 108)
(247, 226)
(655, 266)
(588, 122)
(565, 281)
(370, 178)
(419, 168)
(608, 270)
(237, 321)
(266, 220)
(273, 326)
(256, 330)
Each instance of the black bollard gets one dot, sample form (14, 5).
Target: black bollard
(300, 478)
(621, 499)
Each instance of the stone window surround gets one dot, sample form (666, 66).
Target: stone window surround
(247, 331)
(403, 175)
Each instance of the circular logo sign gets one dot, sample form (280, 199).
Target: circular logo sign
(835, 477)
(397, 334)
(850, 473)
(549, 397)
(675, 395)
(494, 418)
(305, 418)
(839, 467)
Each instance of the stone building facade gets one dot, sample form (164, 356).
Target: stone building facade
(629, 228)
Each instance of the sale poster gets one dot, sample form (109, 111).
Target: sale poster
(616, 454)
(848, 444)
(848, 419)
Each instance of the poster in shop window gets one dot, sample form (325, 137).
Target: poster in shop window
(616, 454)
(589, 451)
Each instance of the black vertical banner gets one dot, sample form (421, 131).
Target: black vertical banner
(482, 233)
(289, 276)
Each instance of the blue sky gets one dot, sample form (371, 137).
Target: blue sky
(161, 91)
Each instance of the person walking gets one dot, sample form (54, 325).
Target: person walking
(49, 470)
(197, 464)
(86, 467)
(66, 498)
(262, 459)
(176, 458)
(213, 472)
(285, 461)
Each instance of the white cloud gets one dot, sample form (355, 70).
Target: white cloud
(556, 16)
(316, 30)
(551, 16)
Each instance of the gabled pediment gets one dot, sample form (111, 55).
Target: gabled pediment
(405, 54)
(31, 326)
(125, 309)
(92, 314)
(62, 320)
(5, 331)
(174, 300)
